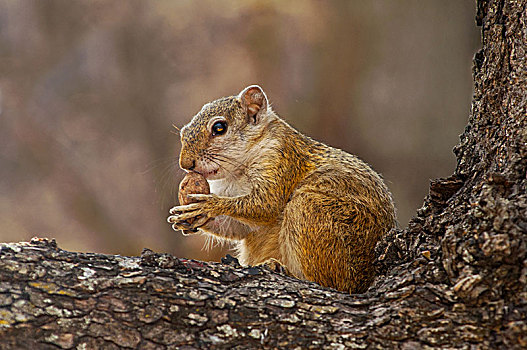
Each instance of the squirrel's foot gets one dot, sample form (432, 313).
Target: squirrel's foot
(275, 266)
(192, 216)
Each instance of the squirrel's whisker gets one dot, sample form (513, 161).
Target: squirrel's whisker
(231, 162)
(222, 167)
(228, 160)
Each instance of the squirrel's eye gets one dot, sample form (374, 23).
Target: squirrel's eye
(219, 128)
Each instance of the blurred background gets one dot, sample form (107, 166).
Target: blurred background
(89, 91)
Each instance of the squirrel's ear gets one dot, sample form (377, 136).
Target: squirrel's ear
(254, 101)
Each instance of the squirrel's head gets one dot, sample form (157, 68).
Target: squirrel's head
(219, 140)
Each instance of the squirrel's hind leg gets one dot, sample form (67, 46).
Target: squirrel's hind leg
(328, 240)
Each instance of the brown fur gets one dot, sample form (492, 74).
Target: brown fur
(280, 195)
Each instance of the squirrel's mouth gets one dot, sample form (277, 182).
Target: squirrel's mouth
(209, 173)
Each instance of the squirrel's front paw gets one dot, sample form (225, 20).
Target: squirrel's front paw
(191, 216)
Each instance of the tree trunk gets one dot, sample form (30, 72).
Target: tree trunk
(456, 277)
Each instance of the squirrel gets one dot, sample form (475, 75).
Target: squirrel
(282, 196)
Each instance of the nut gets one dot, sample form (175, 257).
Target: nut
(192, 183)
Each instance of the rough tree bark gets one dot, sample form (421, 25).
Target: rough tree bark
(455, 278)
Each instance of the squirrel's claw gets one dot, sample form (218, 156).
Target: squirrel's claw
(182, 225)
(200, 197)
(201, 220)
(189, 232)
(185, 216)
(187, 227)
(176, 220)
(184, 208)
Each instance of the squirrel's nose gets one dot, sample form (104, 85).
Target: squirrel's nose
(187, 163)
